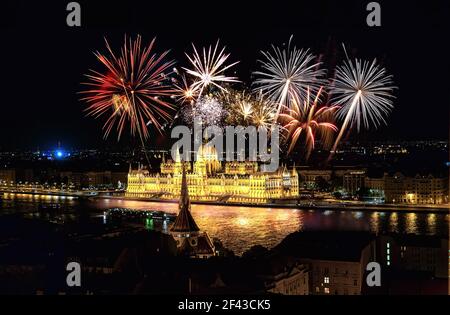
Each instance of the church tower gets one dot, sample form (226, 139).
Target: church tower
(177, 164)
(200, 164)
(190, 240)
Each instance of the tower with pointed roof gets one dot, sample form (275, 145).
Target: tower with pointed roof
(184, 223)
(294, 182)
(190, 240)
(294, 171)
(200, 164)
(177, 166)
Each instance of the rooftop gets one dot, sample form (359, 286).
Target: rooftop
(324, 245)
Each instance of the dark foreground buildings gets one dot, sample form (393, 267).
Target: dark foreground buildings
(135, 261)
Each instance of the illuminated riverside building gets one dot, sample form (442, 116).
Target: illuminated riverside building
(239, 182)
(353, 181)
(419, 189)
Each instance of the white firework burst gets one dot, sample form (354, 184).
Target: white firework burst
(207, 109)
(209, 67)
(288, 71)
(363, 90)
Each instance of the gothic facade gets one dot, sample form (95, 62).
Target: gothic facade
(209, 180)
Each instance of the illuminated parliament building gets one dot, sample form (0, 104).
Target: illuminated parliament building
(210, 180)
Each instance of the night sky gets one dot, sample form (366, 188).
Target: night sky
(43, 60)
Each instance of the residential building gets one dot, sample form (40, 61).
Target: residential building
(336, 261)
(7, 176)
(420, 189)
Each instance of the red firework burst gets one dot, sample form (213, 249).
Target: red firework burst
(308, 118)
(131, 90)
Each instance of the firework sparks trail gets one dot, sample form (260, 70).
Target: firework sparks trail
(308, 118)
(286, 72)
(209, 67)
(364, 92)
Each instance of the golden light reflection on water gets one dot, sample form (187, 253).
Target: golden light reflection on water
(242, 222)
(411, 223)
(239, 228)
(375, 222)
(393, 222)
(431, 223)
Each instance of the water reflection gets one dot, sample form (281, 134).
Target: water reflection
(411, 223)
(375, 222)
(239, 228)
(393, 222)
(431, 223)
(358, 214)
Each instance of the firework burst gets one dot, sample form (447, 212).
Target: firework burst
(239, 105)
(264, 113)
(184, 92)
(310, 119)
(247, 109)
(364, 92)
(287, 72)
(132, 89)
(209, 67)
(208, 109)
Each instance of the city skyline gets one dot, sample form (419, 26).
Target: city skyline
(209, 150)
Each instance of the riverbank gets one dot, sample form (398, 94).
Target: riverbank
(311, 204)
(314, 204)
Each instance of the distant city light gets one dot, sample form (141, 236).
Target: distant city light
(59, 154)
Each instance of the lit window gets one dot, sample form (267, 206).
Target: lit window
(326, 280)
(326, 290)
(388, 245)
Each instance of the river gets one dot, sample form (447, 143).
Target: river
(239, 228)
